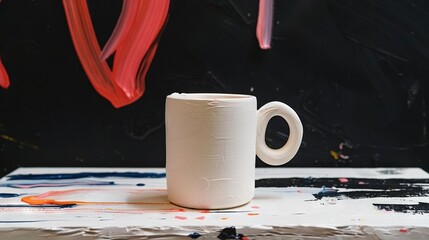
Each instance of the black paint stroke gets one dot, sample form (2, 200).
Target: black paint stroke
(362, 187)
(58, 176)
(351, 183)
(372, 194)
(421, 207)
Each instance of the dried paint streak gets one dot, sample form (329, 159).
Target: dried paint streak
(134, 42)
(33, 184)
(20, 143)
(9, 195)
(421, 207)
(57, 176)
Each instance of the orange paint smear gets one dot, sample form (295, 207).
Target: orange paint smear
(48, 199)
(134, 42)
(4, 77)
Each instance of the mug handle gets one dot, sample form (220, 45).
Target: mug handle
(287, 152)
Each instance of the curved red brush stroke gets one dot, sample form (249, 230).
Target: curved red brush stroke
(134, 40)
(4, 77)
(125, 21)
(265, 23)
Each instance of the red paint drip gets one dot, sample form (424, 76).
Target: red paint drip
(4, 77)
(265, 23)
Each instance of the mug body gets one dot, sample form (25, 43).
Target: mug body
(210, 149)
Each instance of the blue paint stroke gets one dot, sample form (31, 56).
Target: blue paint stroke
(38, 206)
(57, 176)
(9, 195)
(21, 221)
(36, 184)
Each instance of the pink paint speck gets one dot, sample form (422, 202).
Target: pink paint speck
(200, 218)
(343, 180)
(255, 207)
(180, 217)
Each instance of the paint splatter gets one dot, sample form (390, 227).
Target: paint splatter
(403, 230)
(194, 235)
(343, 180)
(9, 195)
(200, 218)
(421, 207)
(57, 176)
(230, 233)
(181, 217)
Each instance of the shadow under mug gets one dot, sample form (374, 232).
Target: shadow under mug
(211, 141)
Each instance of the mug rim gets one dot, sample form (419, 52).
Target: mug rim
(210, 96)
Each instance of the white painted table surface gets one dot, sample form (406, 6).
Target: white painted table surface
(323, 204)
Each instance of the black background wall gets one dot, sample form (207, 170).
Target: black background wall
(355, 71)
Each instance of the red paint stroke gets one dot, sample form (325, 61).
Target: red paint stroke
(181, 217)
(200, 218)
(134, 42)
(4, 77)
(403, 230)
(265, 23)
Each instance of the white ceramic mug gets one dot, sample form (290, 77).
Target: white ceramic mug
(211, 141)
